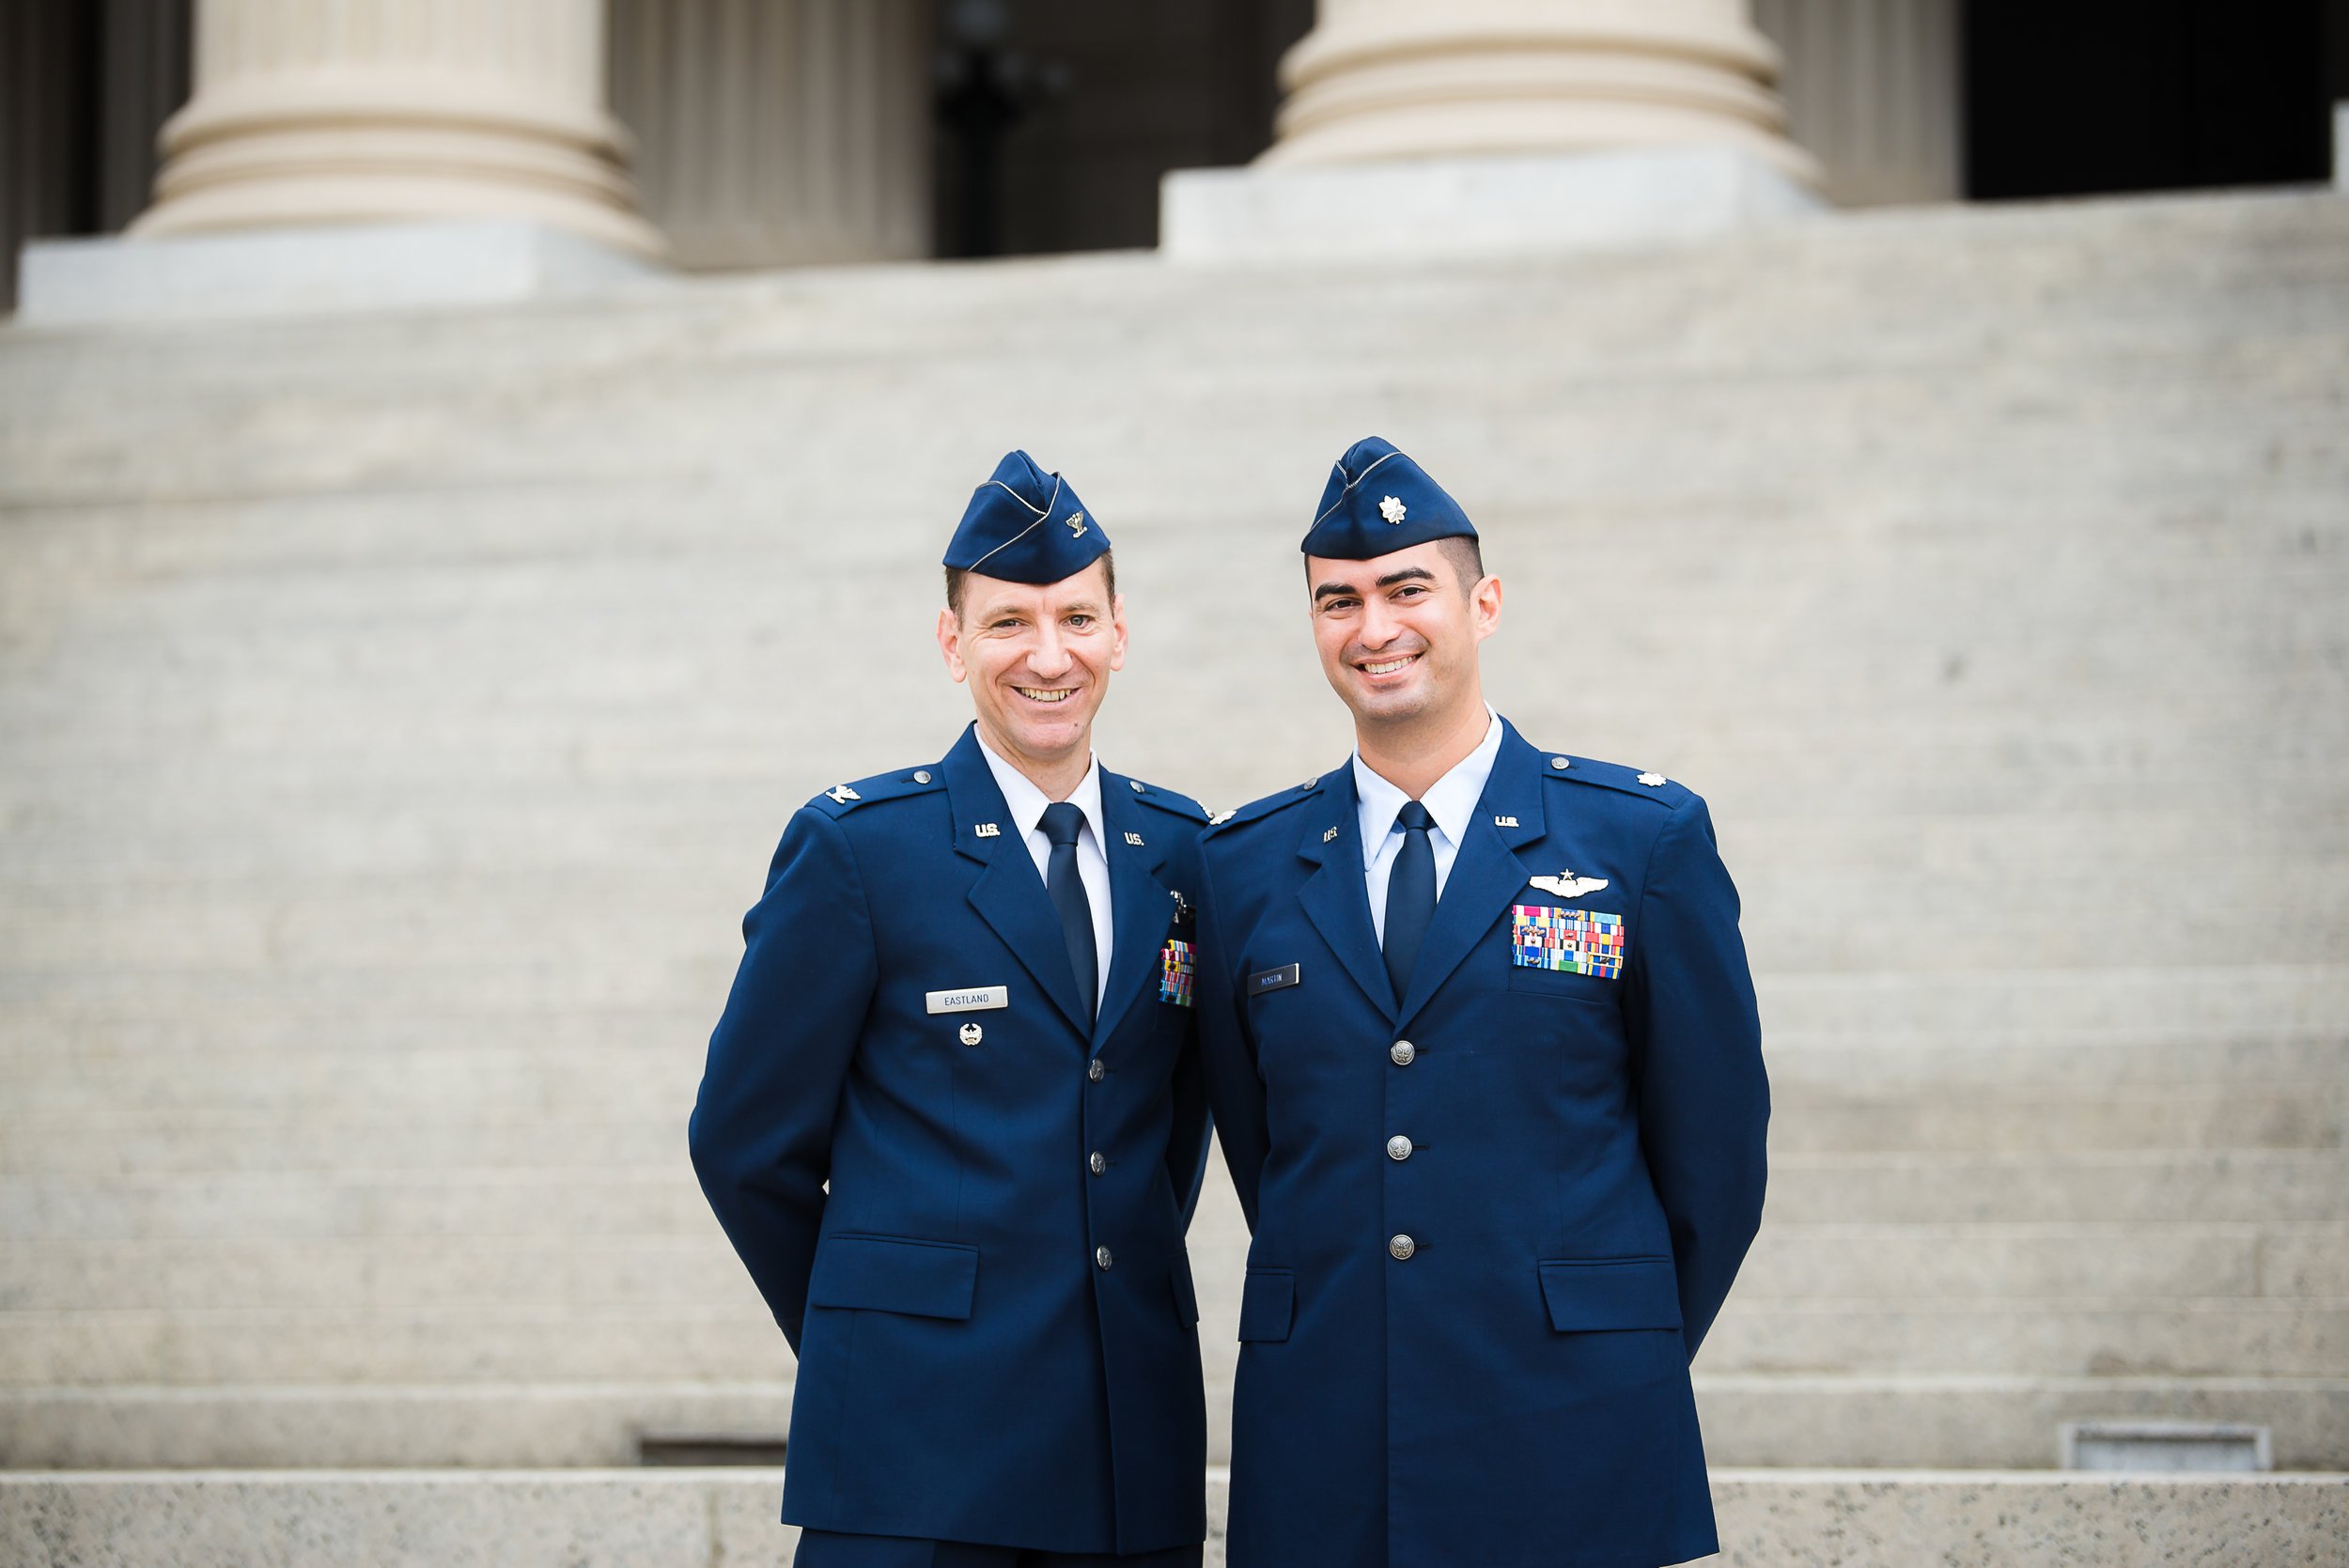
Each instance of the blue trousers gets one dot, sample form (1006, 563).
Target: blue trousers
(820, 1549)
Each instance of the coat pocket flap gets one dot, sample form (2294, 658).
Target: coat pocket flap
(1266, 1303)
(1611, 1293)
(888, 1274)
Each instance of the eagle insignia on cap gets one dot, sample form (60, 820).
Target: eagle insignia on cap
(1392, 508)
(1075, 525)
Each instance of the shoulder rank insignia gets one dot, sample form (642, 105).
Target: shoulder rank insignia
(1651, 779)
(1567, 885)
(841, 794)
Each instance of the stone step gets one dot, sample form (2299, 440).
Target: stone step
(714, 1338)
(1878, 1422)
(2079, 1337)
(588, 1200)
(1943, 1264)
(653, 1519)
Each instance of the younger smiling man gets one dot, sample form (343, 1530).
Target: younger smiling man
(952, 1118)
(1482, 1050)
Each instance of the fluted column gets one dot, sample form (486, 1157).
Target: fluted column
(335, 111)
(779, 131)
(1875, 90)
(1388, 79)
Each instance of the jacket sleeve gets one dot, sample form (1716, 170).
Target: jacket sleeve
(761, 1129)
(1705, 1101)
(1187, 1138)
(1228, 1055)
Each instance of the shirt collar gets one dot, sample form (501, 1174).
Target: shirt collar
(1026, 802)
(1451, 799)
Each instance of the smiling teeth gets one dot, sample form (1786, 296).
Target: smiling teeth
(1386, 666)
(1034, 695)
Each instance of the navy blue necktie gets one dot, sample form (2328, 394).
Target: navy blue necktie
(1410, 895)
(1061, 822)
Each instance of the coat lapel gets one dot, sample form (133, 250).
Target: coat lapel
(1141, 905)
(1486, 875)
(1008, 894)
(1335, 897)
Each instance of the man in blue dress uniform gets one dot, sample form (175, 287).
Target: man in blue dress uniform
(1482, 1050)
(953, 1117)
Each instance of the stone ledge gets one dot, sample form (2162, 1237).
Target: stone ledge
(301, 271)
(1377, 214)
(626, 1519)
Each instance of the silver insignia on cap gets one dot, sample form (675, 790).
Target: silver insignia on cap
(1391, 510)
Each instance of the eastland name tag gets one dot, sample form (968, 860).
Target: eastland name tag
(975, 999)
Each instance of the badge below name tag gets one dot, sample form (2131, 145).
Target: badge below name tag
(1174, 973)
(1566, 942)
(972, 998)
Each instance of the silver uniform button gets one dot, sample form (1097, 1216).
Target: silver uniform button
(1398, 1147)
(1560, 762)
(1404, 1053)
(1095, 1164)
(921, 775)
(1137, 784)
(1096, 1071)
(1398, 1247)
(1101, 1257)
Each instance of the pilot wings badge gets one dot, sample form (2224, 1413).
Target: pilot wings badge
(1567, 885)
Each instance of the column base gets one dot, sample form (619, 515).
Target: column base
(1511, 204)
(323, 270)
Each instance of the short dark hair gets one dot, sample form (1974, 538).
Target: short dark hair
(1465, 555)
(1467, 558)
(956, 574)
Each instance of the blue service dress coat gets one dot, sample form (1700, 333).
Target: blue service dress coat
(969, 1223)
(1492, 1219)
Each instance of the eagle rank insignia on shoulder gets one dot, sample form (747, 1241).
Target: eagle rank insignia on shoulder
(1567, 885)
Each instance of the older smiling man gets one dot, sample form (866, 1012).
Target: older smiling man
(952, 1118)
(1484, 1055)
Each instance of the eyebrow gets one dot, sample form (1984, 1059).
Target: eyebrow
(1408, 574)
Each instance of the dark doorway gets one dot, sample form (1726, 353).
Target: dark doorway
(2095, 96)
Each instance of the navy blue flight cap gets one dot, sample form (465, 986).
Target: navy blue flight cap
(1025, 525)
(1378, 502)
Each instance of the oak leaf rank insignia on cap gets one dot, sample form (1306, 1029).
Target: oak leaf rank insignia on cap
(1378, 501)
(1025, 525)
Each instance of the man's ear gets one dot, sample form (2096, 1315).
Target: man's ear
(950, 644)
(1117, 631)
(1485, 607)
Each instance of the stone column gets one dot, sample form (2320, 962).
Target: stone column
(1379, 80)
(1875, 90)
(779, 131)
(337, 111)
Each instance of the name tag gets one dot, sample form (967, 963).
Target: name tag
(976, 998)
(1271, 980)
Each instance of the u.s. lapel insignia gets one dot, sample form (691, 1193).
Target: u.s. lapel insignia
(1174, 973)
(1134, 839)
(841, 795)
(987, 829)
(1567, 885)
(1504, 821)
(1329, 836)
(1392, 508)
